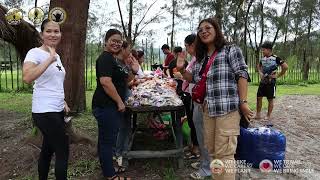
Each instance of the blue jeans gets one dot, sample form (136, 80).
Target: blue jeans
(108, 119)
(123, 138)
(198, 124)
(122, 144)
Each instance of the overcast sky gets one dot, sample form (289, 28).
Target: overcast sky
(161, 29)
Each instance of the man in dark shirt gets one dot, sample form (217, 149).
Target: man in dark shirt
(267, 71)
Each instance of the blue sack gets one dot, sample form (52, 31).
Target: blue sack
(257, 144)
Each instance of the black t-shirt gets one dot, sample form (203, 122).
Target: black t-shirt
(108, 66)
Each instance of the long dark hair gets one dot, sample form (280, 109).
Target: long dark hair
(219, 41)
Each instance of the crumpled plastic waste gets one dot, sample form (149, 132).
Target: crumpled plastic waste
(156, 92)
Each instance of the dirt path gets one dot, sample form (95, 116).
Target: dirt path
(298, 117)
(15, 156)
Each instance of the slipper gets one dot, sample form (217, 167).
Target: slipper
(195, 165)
(116, 177)
(192, 156)
(196, 175)
(119, 169)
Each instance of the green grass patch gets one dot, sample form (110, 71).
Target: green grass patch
(82, 168)
(21, 101)
(302, 89)
(169, 174)
(17, 102)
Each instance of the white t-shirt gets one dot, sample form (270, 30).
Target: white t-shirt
(48, 91)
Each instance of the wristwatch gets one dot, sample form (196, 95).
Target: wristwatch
(242, 101)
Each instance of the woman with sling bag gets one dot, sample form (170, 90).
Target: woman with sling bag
(224, 94)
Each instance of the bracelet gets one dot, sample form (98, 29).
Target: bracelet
(242, 101)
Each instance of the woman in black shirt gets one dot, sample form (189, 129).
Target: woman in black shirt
(108, 99)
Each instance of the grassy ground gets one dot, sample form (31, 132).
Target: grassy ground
(85, 122)
(21, 102)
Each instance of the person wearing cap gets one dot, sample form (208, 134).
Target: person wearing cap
(267, 68)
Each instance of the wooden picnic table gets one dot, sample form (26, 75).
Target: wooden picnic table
(176, 114)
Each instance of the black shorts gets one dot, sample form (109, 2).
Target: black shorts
(267, 90)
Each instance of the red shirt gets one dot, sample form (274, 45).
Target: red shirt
(168, 59)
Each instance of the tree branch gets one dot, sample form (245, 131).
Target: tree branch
(262, 24)
(278, 29)
(122, 23)
(145, 13)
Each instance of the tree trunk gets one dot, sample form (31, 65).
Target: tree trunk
(122, 22)
(279, 25)
(219, 12)
(306, 63)
(173, 16)
(305, 66)
(72, 50)
(257, 57)
(287, 23)
(129, 39)
(262, 23)
(246, 30)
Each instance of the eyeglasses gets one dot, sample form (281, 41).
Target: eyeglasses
(115, 41)
(205, 29)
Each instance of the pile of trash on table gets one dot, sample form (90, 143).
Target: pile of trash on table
(156, 92)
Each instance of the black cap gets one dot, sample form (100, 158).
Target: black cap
(267, 45)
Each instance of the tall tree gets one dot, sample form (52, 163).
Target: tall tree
(72, 50)
(310, 11)
(174, 12)
(139, 12)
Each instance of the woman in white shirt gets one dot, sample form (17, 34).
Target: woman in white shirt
(43, 66)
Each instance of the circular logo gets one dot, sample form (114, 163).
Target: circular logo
(36, 15)
(266, 166)
(217, 166)
(14, 16)
(58, 15)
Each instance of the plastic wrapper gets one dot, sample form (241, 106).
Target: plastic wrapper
(257, 144)
(155, 92)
